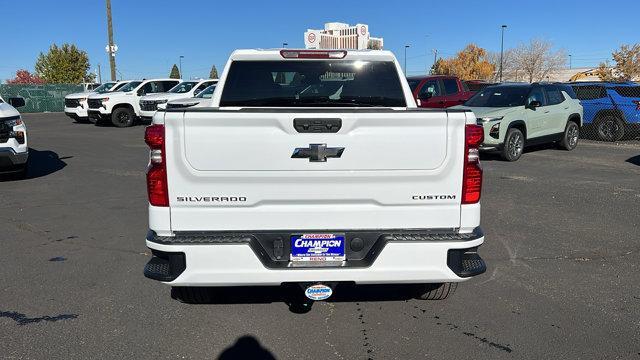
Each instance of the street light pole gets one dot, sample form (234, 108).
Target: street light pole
(502, 50)
(284, 45)
(180, 66)
(405, 59)
(569, 61)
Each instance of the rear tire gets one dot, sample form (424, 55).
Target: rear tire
(192, 295)
(436, 291)
(610, 128)
(513, 145)
(123, 117)
(570, 137)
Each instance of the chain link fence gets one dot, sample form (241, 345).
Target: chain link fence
(40, 98)
(611, 110)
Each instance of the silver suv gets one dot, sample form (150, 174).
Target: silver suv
(518, 115)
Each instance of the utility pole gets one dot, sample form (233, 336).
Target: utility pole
(99, 75)
(435, 56)
(180, 66)
(405, 59)
(427, 57)
(111, 48)
(502, 50)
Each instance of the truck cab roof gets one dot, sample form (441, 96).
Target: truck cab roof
(280, 54)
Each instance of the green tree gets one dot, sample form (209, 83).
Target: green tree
(213, 74)
(63, 65)
(175, 73)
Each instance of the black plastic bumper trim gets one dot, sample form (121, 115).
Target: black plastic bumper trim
(466, 262)
(165, 266)
(272, 247)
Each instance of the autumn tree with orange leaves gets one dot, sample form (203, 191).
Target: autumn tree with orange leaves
(471, 63)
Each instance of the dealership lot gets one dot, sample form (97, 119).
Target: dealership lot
(561, 248)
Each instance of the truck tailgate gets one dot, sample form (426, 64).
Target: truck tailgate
(233, 170)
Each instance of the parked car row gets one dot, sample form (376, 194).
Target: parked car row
(122, 103)
(512, 115)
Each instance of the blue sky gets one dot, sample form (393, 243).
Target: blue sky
(151, 35)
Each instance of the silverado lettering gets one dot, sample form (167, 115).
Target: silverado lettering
(211, 198)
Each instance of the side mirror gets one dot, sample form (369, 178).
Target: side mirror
(141, 92)
(534, 104)
(16, 101)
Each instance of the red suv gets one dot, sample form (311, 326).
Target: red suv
(438, 91)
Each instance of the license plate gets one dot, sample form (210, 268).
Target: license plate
(317, 247)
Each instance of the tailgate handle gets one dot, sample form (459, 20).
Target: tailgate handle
(317, 125)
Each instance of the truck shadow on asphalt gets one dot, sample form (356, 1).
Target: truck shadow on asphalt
(106, 123)
(495, 155)
(246, 347)
(41, 163)
(635, 160)
(293, 295)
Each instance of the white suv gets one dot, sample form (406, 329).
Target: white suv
(75, 105)
(186, 89)
(123, 106)
(14, 150)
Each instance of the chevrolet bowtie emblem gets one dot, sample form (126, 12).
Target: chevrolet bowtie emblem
(317, 152)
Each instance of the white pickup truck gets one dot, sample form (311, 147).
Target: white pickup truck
(186, 89)
(14, 148)
(314, 168)
(75, 105)
(122, 107)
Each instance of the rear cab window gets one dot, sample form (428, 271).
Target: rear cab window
(311, 83)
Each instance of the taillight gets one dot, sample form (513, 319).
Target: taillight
(472, 173)
(157, 188)
(313, 54)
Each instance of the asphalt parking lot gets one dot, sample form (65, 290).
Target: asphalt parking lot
(561, 247)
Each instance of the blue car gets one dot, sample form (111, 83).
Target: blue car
(611, 109)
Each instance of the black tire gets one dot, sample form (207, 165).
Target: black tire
(610, 128)
(436, 291)
(192, 295)
(513, 145)
(96, 121)
(570, 137)
(123, 117)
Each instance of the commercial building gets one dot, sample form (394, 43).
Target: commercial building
(342, 36)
